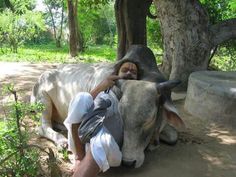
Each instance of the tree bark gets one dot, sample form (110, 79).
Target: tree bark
(73, 38)
(131, 23)
(188, 38)
(80, 42)
(223, 31)
(61, 25)
(53, 24)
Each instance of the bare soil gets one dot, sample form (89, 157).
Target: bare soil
(205, 149)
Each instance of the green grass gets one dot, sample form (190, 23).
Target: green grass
(50, 54)
(2, 126)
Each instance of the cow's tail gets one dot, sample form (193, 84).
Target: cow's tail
(34, 93)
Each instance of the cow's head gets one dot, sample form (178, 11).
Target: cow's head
(138, 107)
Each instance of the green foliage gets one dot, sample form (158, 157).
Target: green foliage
(225, 57)
(97, 25)
(17, 6)
(55, 19)
(15, 29)
(154, 37)
(219, 10)
(232, 5)
(17, 159)
(95, 4)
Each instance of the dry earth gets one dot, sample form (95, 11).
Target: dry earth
(205, 149)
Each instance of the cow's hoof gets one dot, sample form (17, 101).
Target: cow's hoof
(153, 145)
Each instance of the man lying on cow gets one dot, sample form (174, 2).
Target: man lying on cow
(144, 107)
(103, 150)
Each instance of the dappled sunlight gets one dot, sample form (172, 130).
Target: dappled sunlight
(224, 136)
(220, 161)
(213, 160)
(233, 90)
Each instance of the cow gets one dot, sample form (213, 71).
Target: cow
(144, 105)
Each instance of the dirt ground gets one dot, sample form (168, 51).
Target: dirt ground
(205, 149)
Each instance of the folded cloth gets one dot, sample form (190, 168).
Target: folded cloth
(105, 150)
(92, 122)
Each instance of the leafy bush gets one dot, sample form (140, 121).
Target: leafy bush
(18, 158)
(15, 28)
(97, 25)
(225, 57)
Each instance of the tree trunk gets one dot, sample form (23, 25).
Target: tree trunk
(131, 23)
(53, 25)
(58, 40)
(80, 42)
(188, 37)
(72, 8)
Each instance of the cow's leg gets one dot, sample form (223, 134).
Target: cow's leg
(169, 135)
(46, 130)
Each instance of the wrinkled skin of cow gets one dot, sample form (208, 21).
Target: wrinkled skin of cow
(139, 119)
(143, 115)
(145, 106)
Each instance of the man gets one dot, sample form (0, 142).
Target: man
(103, 150)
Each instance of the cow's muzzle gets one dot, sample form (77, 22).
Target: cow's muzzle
(128, 163)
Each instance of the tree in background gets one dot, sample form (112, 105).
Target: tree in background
(131, 23)
(55, 18)
(189, 37)
(97, 24)
(75, 37)
(218, 11)
(19, 23)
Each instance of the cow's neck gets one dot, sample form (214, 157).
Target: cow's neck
(117, 92)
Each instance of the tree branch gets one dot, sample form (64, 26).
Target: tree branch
(223, 31)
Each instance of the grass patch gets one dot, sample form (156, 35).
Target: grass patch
(2, 125)
(50, 54)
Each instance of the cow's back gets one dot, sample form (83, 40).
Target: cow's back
(63, 83)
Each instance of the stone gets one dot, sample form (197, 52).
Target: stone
(212, 95)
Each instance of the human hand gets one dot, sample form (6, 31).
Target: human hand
(104, 85)
(109, 82)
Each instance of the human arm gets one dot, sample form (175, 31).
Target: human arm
(88, 167)
(105, 84)
(79, 147)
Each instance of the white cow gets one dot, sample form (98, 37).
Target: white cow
(144, 106)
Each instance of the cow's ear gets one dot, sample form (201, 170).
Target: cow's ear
(172, 115)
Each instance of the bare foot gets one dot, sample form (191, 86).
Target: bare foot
(76, 164)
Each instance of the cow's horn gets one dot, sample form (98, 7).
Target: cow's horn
(170, 84)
